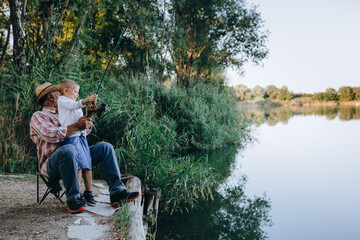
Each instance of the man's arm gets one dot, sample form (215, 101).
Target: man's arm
(44, 128)
(83, 123)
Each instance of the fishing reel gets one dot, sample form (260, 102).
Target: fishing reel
(99, 110)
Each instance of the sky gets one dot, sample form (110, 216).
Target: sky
(313, 45)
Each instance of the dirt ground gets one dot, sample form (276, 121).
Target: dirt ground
(22, 218)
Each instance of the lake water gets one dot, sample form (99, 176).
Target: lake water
(300, 179)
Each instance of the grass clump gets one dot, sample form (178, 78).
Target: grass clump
(122, 218)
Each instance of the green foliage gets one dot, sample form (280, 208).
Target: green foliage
(345, 93)
(243, 93)
(183, 182)
(272, 92)
(122, 218)
(259, 92)
(208, 35)
(283, 94)
(152, 128)
(329, 95)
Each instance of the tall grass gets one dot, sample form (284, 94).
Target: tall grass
(153, 129)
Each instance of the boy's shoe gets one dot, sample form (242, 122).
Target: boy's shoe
(89, 197)
(123, 196)
(75, 206)
(82, 198)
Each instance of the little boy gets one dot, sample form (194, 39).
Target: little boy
(69, 113)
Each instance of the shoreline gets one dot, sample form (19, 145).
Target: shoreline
(251, 104)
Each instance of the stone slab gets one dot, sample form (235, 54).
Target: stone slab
(101, 209)
(86, 232)
(100, 185)
(103, 198)
(105, 191)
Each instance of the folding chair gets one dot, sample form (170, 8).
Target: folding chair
(52, 187)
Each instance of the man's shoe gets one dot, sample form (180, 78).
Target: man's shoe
(123, 196)
(89, 197)
(75, 206)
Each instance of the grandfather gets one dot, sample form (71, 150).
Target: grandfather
(57, 161)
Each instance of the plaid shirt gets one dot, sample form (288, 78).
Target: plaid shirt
(47, 133)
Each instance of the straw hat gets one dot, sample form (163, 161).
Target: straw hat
(44, 89)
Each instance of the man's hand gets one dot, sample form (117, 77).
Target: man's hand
(84, 123)
(91, 110)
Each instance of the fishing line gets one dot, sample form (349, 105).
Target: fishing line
(117, 46)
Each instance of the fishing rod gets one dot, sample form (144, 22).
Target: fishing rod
(117, 46)
(103, 107)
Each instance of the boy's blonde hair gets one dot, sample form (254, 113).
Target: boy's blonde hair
(67, 83)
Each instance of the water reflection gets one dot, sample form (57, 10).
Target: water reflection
(231, 215)
(272, 116)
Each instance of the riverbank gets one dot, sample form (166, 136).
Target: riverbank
(299, 102)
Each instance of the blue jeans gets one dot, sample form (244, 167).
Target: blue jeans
(62, 164)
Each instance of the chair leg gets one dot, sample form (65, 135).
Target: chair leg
(57, 195)
(37, 188)
(45, 195)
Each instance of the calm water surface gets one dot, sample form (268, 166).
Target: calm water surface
(306, 161)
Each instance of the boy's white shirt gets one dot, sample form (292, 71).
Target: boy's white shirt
(70, 112)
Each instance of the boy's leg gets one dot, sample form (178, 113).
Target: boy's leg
(62, 164)
(104, 153)
(79, 174)
(87, 175)
(88, 194)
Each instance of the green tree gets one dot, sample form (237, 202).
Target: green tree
(331, 95)
(206, 35)
(272, 92)
(283, 94)
(345, 93)
(243, 93)
(356, 92)
(259, 92)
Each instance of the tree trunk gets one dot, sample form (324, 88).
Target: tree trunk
(162, 57)
(5, 46)
(66, 2)
(46, 19)
(147, 60)
(18, 34)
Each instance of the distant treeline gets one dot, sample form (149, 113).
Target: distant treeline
(271, 92)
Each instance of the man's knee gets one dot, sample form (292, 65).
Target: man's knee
(106, 146)
(69, 152)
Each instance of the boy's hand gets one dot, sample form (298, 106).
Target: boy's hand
(92, 98)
